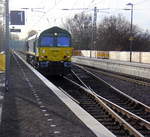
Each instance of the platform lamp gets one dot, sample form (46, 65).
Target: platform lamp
(131, 33)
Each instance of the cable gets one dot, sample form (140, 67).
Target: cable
(41, 17)
(90, 4)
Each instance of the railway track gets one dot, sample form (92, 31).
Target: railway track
(138, 123)
(122, 104)
(125, 77)
(112, 94)
(117, 119)
(106, 115)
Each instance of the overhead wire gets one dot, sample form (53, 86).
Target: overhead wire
(53, 8)
(91, 3)
(44, 14)
(74, 5)
(37, 15)
(82, 9)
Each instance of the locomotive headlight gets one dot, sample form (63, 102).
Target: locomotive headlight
(55, 34)
(43, 51)
(43, 57)
(66, 57)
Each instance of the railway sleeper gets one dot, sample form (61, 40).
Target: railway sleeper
(102, 116)
(135, 123)
(95, 112)
(141, 114)
(129, 108)
(91, 107)
(146, 117)
(86, 103)
(145, 133)
(117, 127)
(106, 120)
(140, 111)
(121, 102)
(84, 100)
(121, 133)
(107, 123)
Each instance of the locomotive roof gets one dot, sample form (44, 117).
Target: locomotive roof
(50, 31)
(55, 30)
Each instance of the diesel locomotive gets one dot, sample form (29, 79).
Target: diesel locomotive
(50, 51)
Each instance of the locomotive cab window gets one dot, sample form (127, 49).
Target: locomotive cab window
(47, 41)
(63, 41)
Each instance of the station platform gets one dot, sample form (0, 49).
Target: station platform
(130, 68)
(34, 107)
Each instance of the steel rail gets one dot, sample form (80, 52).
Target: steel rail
(121, 121)
(139, 120)
(147, 108)
(124, 77)
(124, 111)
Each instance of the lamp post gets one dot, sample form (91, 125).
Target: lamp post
(131, 33)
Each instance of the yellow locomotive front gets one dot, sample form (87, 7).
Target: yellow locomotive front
(52, 52)
(55, 54)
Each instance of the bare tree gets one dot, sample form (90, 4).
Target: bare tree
(114, 32)
(80, 26)
(142, 42)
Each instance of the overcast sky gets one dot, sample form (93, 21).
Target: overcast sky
(50, 12)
